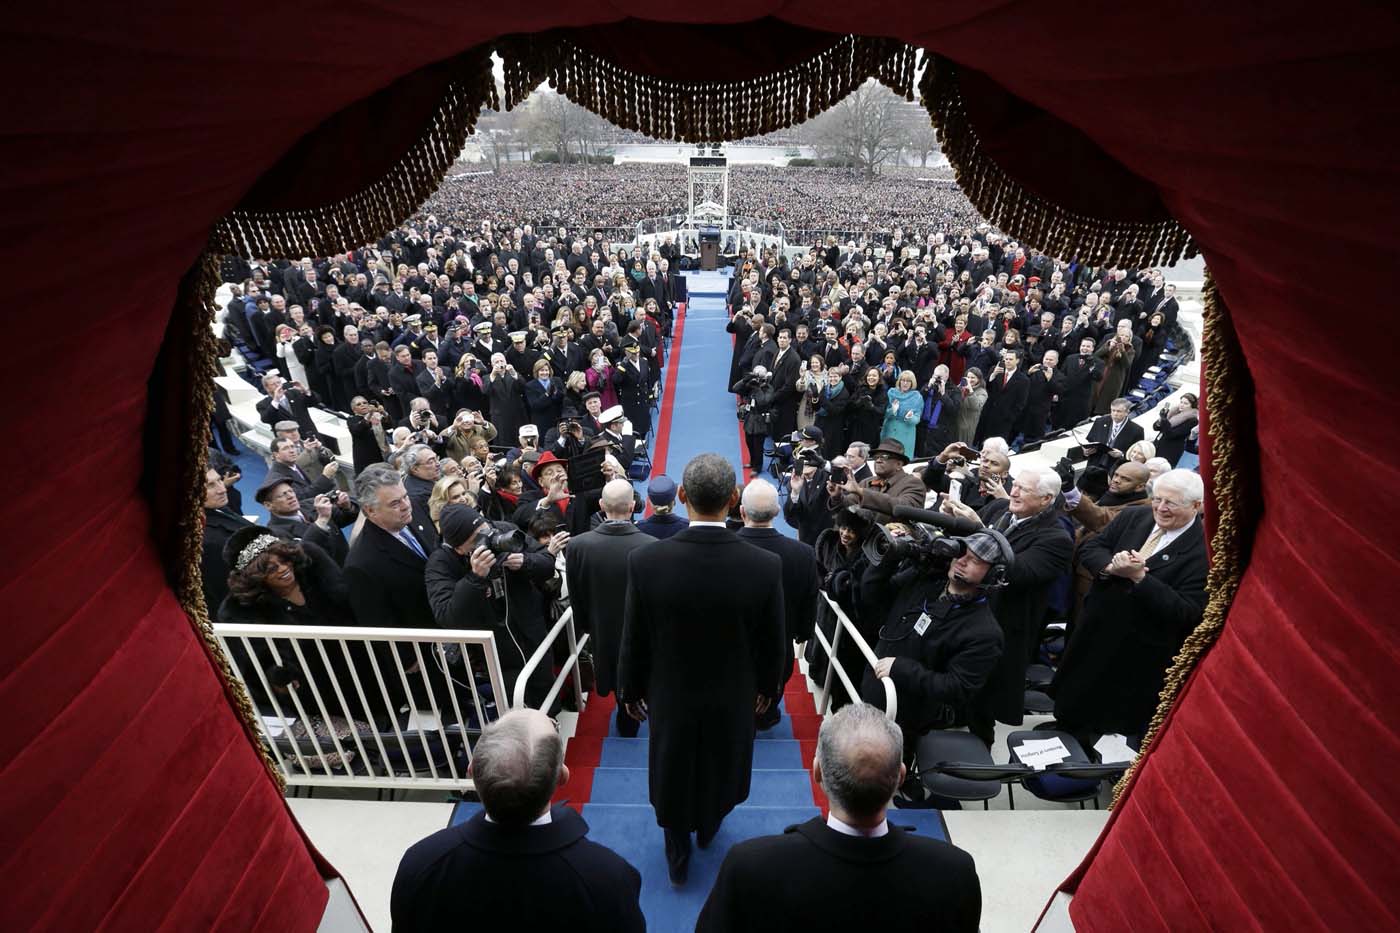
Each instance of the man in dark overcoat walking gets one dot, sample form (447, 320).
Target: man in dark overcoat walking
(702, 653)
(595, 565)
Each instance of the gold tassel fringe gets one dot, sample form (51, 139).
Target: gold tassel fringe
(380, 207)
(196, 307)
(703, 111)
(1228, 390)
(1034, 221)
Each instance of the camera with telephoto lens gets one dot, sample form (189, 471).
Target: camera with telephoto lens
(929, 543)
(501, 541)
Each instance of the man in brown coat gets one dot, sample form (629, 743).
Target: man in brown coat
(1127, 486)
(889, 487)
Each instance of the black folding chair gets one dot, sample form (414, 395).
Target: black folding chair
(958, 766)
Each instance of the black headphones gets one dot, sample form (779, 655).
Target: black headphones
(999, 573)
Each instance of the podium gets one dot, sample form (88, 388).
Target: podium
(709, 249)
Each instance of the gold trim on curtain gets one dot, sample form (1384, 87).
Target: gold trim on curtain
(1032, 220)
(703, 111)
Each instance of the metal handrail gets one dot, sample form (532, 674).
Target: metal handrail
(565, 624)
(306, 760)
(845, 624)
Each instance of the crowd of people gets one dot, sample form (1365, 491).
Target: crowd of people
(617, 197)
(498, 382)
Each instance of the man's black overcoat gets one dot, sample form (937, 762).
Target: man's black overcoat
(596, 567)
(702, 637)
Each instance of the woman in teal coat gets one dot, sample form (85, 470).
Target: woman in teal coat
(903, 411)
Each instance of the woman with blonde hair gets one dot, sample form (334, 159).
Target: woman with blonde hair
(903, 409)
(450, 490)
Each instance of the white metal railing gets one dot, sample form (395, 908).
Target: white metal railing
(565, 624)
(345, 706)
(845, 625)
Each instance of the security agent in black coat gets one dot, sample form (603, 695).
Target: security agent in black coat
(1118, 655)
(520, 864)
(1100, 441)
(759, 507)
(700, 659)
(595, 565)
(939, 641)
(898, 879)
(806, 508)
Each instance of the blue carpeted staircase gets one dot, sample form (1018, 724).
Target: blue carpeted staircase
(616, 804)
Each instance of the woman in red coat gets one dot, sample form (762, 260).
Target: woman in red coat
(952, 346)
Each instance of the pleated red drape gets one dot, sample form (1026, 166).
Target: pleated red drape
(129, 796)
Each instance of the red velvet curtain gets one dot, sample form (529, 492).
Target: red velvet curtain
(131, 798)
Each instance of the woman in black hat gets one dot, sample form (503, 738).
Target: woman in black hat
(276, 581)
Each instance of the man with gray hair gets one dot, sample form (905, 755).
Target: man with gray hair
(787, 881)
(595, 565)
(1149, 592)
(474, 873)
(1044, 547)
(702, 653)
(758, 507)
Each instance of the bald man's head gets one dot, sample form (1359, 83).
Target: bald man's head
(616, 501)
(1129, 478)
(759, 503)
(516, 764)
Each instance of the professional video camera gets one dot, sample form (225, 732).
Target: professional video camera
(935, 541)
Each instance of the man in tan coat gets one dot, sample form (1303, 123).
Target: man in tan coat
(1127, 486)
(889, 487)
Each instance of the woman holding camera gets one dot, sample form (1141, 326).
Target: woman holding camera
(599, 378)
(809, 387)
(974, 397)
(867, 415)
(1174, 426)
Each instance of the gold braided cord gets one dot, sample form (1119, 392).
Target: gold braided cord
(1035, 222)
(1227, 397)
(385, 203)
(196, 307)
(703, 111)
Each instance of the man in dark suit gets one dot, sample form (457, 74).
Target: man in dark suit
(307, 486)
(785, 368)
(287, 519)
(786, 882)
(403, 376)
(1007, 390)
(758, 507)
(702, 652)
(219, 525)
(1110, 436)
(472, 875)
(287, 401)
(384, 570)
(1082, 371)
(1149, 592)
(595, 565)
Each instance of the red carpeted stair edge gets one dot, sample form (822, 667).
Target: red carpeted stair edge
(798, 705)
(668, 397)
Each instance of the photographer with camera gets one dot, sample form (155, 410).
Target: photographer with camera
(807, 507)
(488, 574)
(974, 485)
(422, 424)
(368, 432)
(1043, 547)
(756, 396)
(939, 641)
(889, 487)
